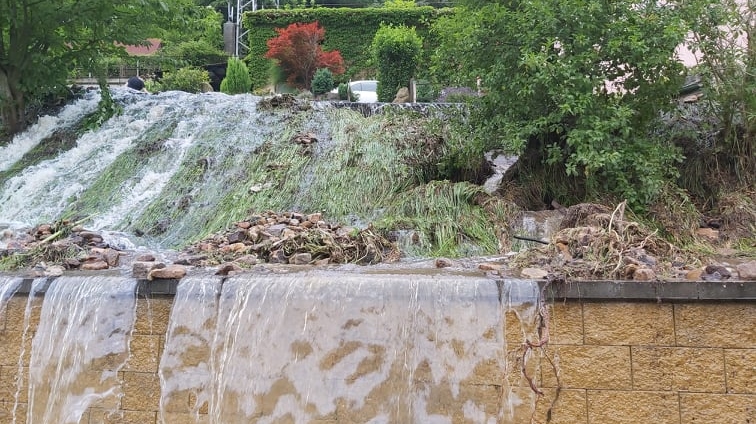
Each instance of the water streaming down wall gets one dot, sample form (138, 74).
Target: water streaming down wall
(8, 286)
(343, 347)
(79, 347)
(338, 346)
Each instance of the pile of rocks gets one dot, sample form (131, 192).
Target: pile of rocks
(52, 248)
(289, 238)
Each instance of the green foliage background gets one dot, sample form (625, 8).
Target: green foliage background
(349, 31)
(547, 71)
(396, 50)
(186, 79)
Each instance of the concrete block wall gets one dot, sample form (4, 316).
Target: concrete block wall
(644, 362)
(615, 362)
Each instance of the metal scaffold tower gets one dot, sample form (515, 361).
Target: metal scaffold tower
(233, 35)
(233, 28)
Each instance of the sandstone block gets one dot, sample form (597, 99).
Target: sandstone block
(729, 325)
(141, 391)
(10, 347)
(144, 353)
(741, 370)
(570, 407)
(101, 416)
(566, 323)
(153, 315)
(16, 309)
(171, 272)
(717, 408)
(8, 386)
(628, 324)
(6, 413)
(590, 367)
(620, 407)
(519, 325)
(185, 418)
(678, 369)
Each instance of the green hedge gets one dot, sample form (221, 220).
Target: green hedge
(349, 31)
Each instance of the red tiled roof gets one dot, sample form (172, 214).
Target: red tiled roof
(153, 45)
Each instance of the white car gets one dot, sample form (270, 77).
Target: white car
(366, 90)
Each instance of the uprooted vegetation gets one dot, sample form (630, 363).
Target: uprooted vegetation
(294, 238)
(596, 242)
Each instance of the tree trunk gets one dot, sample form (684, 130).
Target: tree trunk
(12, 107)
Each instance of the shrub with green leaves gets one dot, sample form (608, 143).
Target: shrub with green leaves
(237, 80)
(396, 50)
(346, 93)
(322, 82)
(571, 85)
(187, 79)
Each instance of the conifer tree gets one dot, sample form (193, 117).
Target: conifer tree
(237, 80)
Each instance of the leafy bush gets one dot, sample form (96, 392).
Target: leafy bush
(186, 79)
(346, 93)
(237, 80)
(396, 50)
(425, 91)
(322, 82)
(573, 85)
(193, 53)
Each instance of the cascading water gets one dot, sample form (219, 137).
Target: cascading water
(315, 346)
(8, 286)
(175, 166)
(80, 345)
(69, 116)
(381, 346)
(305, 346)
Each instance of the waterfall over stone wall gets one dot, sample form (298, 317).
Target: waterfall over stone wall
(315, 346)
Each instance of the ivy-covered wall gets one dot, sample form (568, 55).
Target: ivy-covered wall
(349, 31)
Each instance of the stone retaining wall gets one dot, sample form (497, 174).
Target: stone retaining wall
(643, 362)
(613, 362)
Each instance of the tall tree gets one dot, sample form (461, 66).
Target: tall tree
(299, 54)
(40, 42)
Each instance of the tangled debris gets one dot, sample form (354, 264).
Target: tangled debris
(285, 100)
(292, 238)
(595, 242)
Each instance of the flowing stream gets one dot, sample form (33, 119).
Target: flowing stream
(382, 345)
(80, 345)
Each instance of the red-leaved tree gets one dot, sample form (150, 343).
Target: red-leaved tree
(299, 54)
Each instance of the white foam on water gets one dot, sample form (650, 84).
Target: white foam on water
(22, 143)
